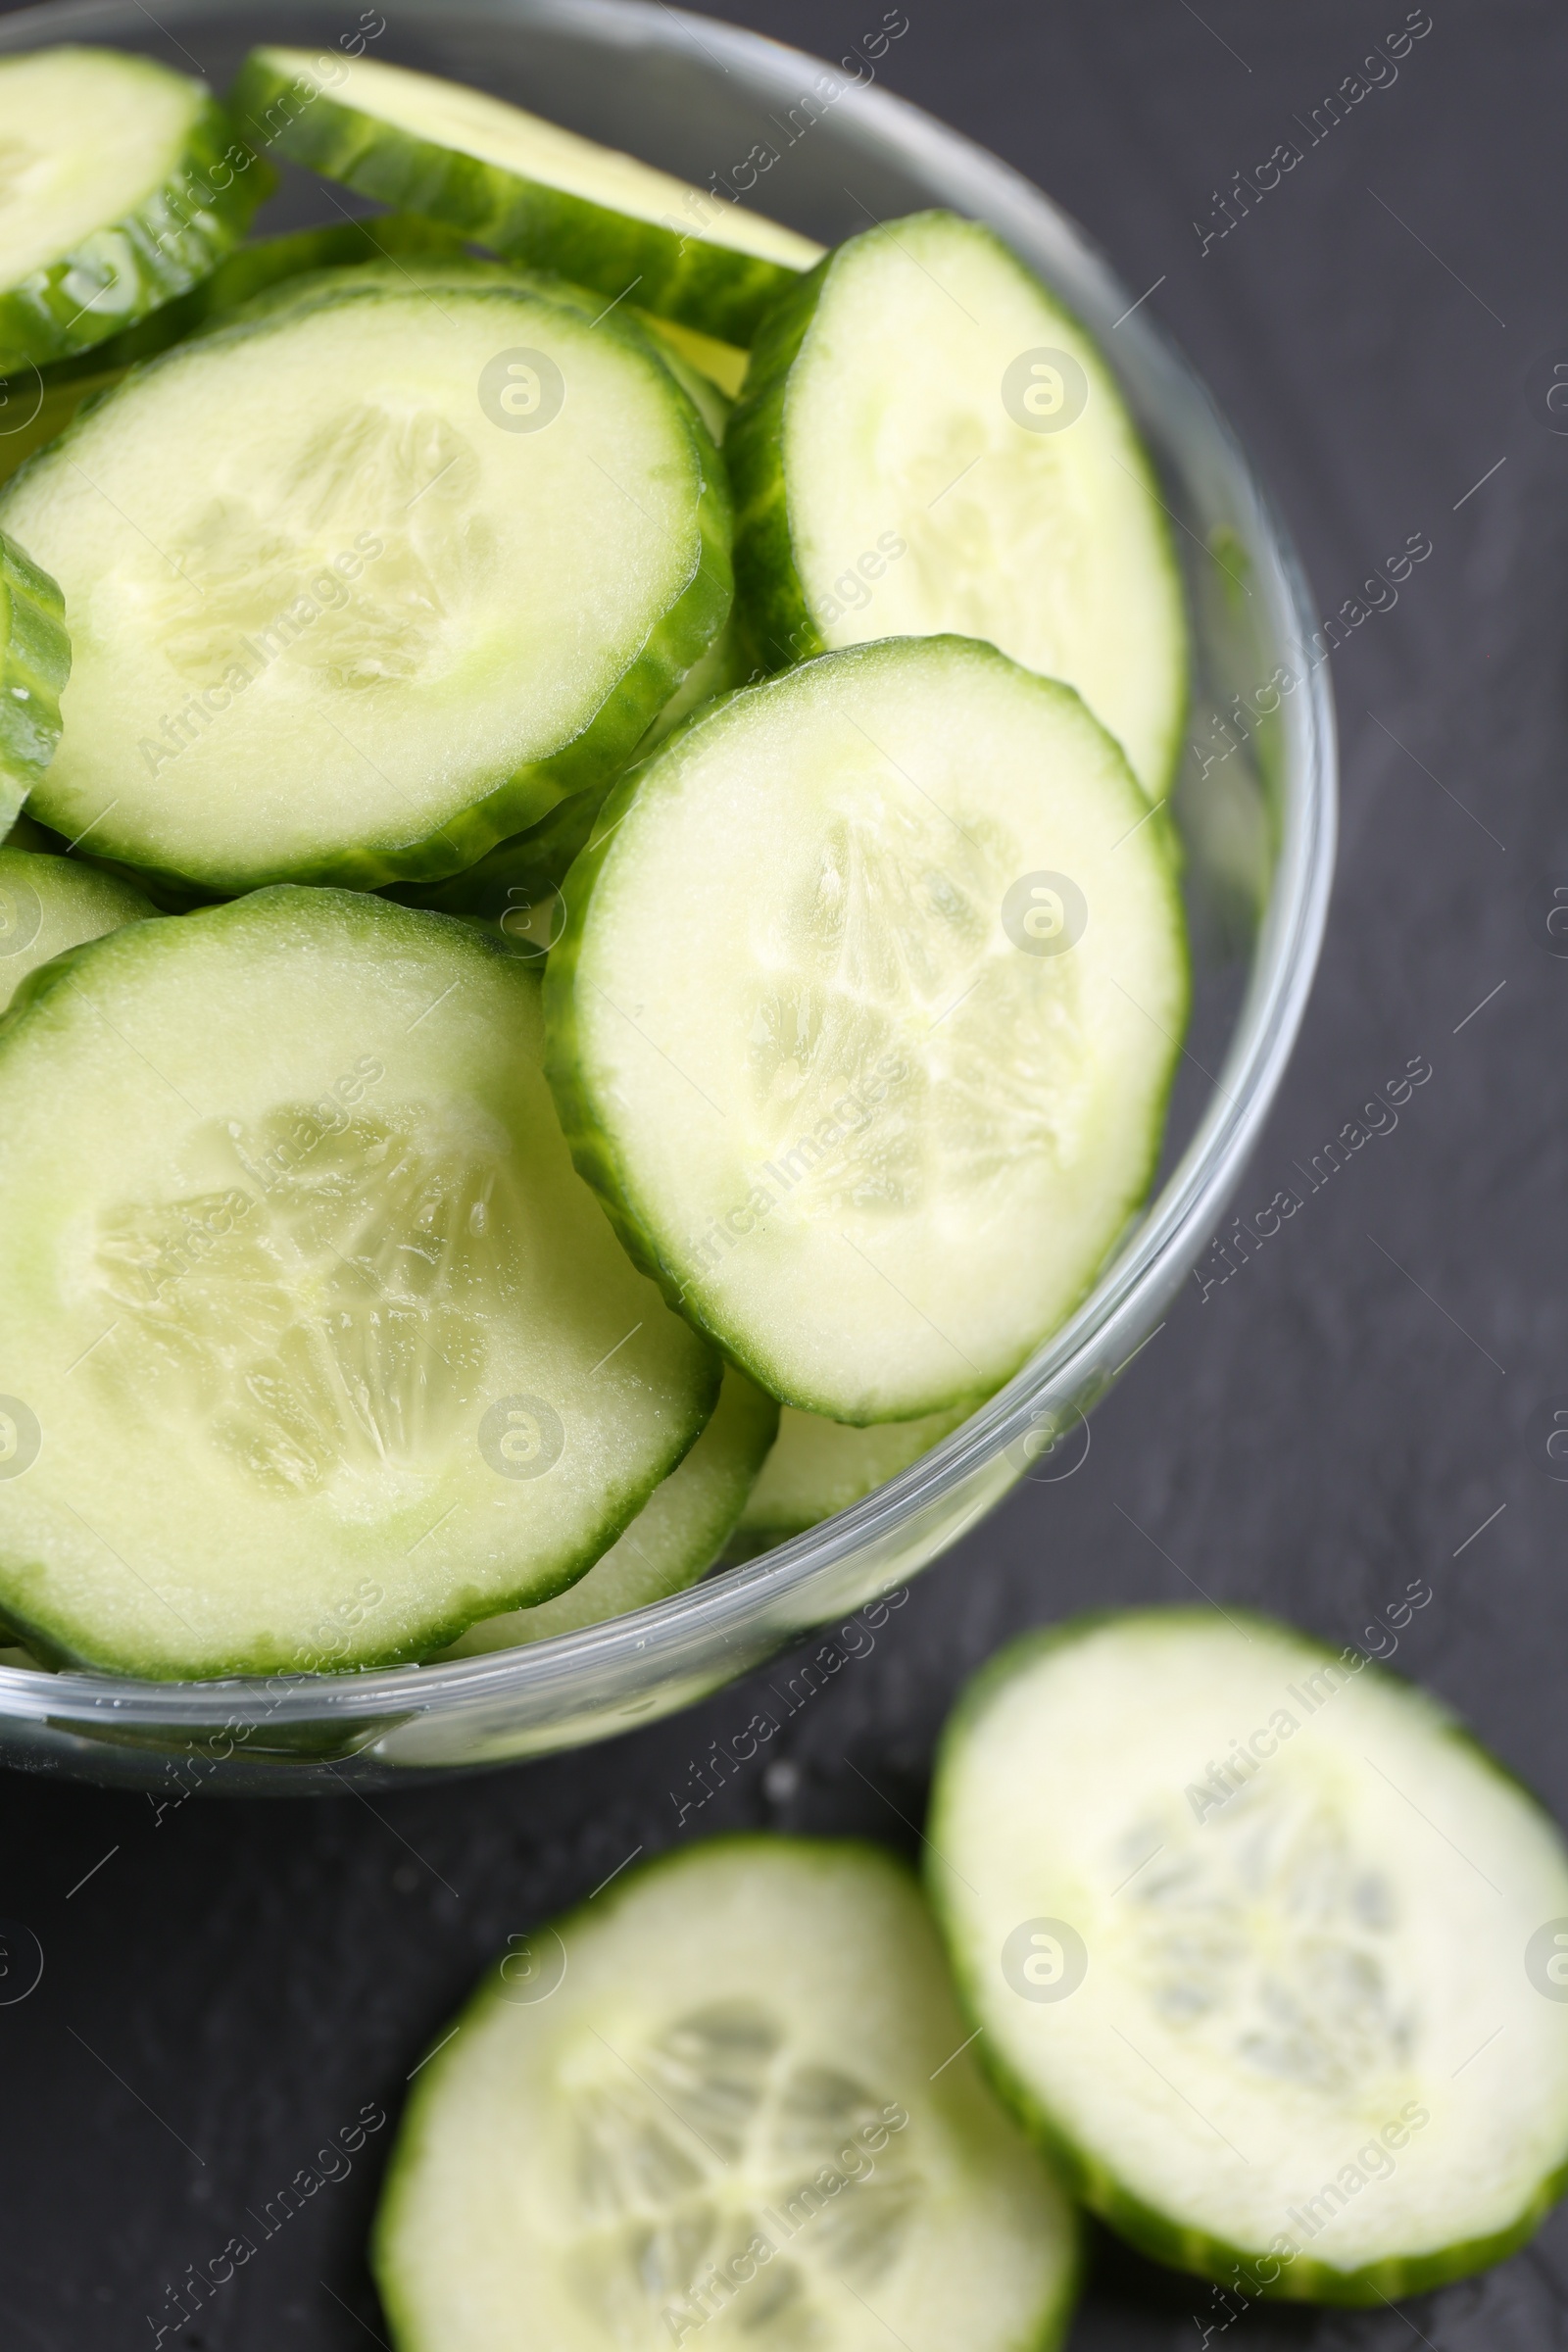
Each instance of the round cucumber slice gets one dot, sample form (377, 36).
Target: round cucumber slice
(34, 664)
(524, 187)
(878, 1121)
(725, 2101)
(928, 441)
(336, 619)
(123, 184)
(676, 1536)
(49, 904)
(1264, 1943)
(315, 1348)
(818, 1467)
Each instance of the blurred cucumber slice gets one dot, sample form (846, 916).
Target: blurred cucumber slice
(730, 2102)
(50, 903)
(124, 185)
(524, 187)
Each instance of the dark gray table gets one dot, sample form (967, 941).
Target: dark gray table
(1360, 1405)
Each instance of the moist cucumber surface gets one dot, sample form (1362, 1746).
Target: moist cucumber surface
(34, 664)
(724, 2103)
(48, 904)
(123, 184)
(818, 1467)
(319, 1350)
(1259, 1939)
(928, 442)
(863, 1018)
(675, 1538)
(335, 617)
(524, 187)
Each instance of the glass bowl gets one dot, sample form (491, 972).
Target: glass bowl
(1255, 805)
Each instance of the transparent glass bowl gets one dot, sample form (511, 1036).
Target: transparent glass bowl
(1255, 807)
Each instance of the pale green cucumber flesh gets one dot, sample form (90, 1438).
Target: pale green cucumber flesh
(725, 2103)
(335, 620)
(1260, 1941)
(321, 1349)
(819, 1467)
(676, 1536)
(121, 184)
(927, 441)
(34, 664)
(524, 187)
(872, 1140)
(50, 903)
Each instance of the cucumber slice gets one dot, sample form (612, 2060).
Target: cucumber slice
(818, 1467)
(34, 664)
(892, 478)
(675, 1538)
(326, 1350)
(711, 404)
(719, 671)
(875, 1135)
(125, 184)
(522, 602)
(1281, 2013)
(729, 2094)
(50, 903)
(524, 187)
(721, 363)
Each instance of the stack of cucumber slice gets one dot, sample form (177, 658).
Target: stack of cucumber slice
(373, 655)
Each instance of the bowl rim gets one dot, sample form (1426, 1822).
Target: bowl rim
(1082, 1352)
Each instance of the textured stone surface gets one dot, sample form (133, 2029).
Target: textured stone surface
(237, 1981)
